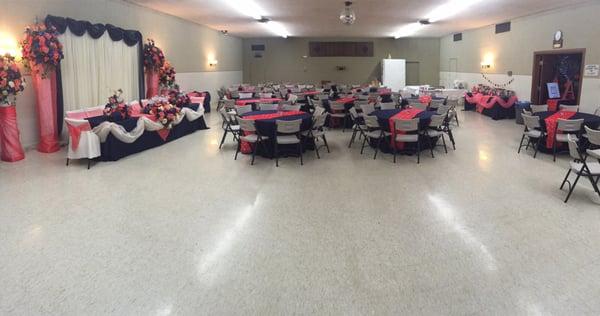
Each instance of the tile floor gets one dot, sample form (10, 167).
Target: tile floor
(185, 230)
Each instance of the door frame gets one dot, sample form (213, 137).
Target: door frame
(535, 75)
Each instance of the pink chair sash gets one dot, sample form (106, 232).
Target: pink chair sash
(75, 133)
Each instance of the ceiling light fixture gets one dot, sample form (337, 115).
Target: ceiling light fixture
(348, 17)
(253, 10)
(449, 9)
(409, 29)
(247, 8)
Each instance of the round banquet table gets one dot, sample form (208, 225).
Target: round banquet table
(589, 120)
(384, 116)
(267, 127)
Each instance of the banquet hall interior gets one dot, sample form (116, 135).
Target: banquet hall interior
(274, 157)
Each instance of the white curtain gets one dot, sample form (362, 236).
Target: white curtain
(94, 68)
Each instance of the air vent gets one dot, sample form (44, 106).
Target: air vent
(258, 47)
(503, 27)
(458, 37)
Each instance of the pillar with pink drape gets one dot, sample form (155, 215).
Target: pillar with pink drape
(46, 94)
(10, 143)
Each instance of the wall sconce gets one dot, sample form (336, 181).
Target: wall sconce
(213, 62)
(9, 45)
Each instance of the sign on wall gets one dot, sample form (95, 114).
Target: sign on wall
(553, 90)
(591, 70)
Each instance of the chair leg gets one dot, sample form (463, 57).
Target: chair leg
(276, 154)
(430, 146)
(237, 150)
(565, 180)
(444, 142)
(554, 150)
(521, 144)
(223, 139)
(89, 163)
(537, 147)
(317, 148)
(451, 136)
(362, 148)
(326, 144)
(352, 137)
(300, 152)
(573, 187)
(378, 146)
(395, 149)
(418, 151)
(67, 161)
(254, 152)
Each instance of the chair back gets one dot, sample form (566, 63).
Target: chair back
(593, 136)
(353, 114)
(569, 108)
(573, 147)
(246, 125)
(539, 108)
(437, 120)
(288, 127)
(527, 112)
(319, 110)
(531, 122)
(387, 105)
(243, 109)
(436, 103)
(235, 94)
(265, 95)
(292, 97)
(363, 97)
(319, 121)
(443, 109)
(367, 108)
(407, 125)
(226, 116)
(323, 96)
(288, 107)
(229, 104)
(372, 122)
(268, 106)
(569, 125)
(597, 112)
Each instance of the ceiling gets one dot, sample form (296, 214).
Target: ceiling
(375, 18)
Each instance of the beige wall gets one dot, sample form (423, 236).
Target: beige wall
(187, 45)
(514, 50)
(282, 60)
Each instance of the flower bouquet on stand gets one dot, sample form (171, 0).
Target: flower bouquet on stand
(11, 85)
(116, 109)
(166, 77)
(42, 53)
(154, 60)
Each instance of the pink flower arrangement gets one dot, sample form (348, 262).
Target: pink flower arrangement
(11, 81)
(154, 59)
(116, 109)
(166, 75)
(177, 98)
(163, 111)
(41, 50)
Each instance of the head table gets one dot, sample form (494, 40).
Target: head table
(265, 122)
(114, 149)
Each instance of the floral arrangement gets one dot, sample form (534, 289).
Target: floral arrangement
(154, 59)
(178, 98)
(164, 112)
(11, 81)
(487, 90)
(116, 109)
(41, 49)
(166, 75)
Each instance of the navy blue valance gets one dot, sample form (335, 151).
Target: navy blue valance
(130, 37)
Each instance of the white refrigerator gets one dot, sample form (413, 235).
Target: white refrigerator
(394, 73)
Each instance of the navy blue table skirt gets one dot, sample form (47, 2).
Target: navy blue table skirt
(383, 116)
(267, 127)
(113, 149)
(498, 112)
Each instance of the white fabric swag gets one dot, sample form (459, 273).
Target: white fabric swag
(94, 68)
(143, 124)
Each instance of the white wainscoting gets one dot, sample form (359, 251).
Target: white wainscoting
(201, 81)
(590, 93)
(208, 81)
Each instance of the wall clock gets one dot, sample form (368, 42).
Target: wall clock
(558, 39)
